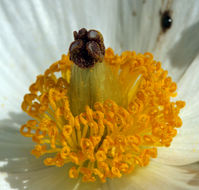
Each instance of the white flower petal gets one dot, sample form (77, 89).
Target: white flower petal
(155, 176)
(179, 46)
(35, 33)
(15, 157)
(4, 184)
(139, 28)
(48, 178)
(137, 25)
(14, 147)
(185, 146)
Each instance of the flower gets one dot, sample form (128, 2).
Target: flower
(20, 170)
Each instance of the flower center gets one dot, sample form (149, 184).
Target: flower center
(106, 120)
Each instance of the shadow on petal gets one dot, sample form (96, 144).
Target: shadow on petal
(193, 169)
(23, 170)
(15, 151)
(186, 49)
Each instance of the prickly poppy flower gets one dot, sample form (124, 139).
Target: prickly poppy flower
(105, 120)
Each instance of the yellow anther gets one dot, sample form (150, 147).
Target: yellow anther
(59, 162)
(86, 145)
(116, 172)
(74, 158)
(26, 131)
(49, 162)
(148, 139)
(82, 119)
(67, 130)
(65, 152)
(112, 151)
(100, 156)
(39, 150)
(123, 167)
(133, 140)
(180, 104)
(52, 131)
(73, 173)
(95, 140)
(99, 173)
(89, 113)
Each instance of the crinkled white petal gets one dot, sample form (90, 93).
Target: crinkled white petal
(185, 146)
(49, 178)
(139, 28)
(155, 176)
(13, 146)
(137, 25)
(15, 157)
(178, 46)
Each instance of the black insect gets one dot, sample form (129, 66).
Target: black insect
(166, 20)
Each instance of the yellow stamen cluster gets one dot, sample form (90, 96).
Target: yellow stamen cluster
(108, 140)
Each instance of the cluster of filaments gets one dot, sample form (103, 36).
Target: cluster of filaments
(108, 140)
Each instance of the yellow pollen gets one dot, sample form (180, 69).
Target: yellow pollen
(112, 135)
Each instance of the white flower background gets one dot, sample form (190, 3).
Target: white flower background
(35, 33)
